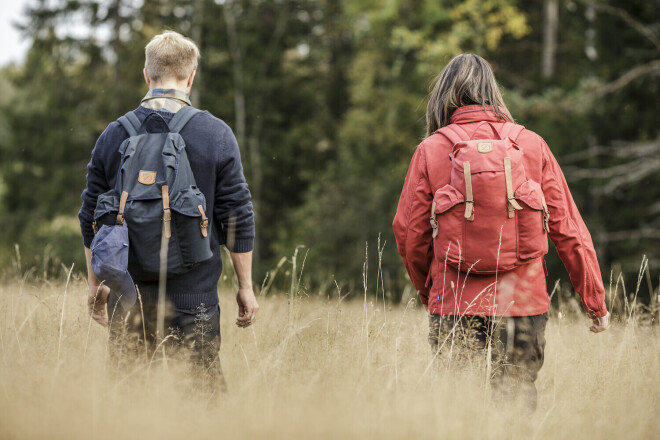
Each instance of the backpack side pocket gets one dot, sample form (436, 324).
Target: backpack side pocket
(190, 226)
(532, 237)
(448, 220)
(105, 213)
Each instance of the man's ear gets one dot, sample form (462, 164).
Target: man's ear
(191, 78)
(146, 76)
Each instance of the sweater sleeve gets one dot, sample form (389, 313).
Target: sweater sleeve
(234, 217)
(411, 224)
(571, 238)
(97, 184)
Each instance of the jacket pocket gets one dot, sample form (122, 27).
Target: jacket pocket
(190, 226)
(448, 213)
(532, 237)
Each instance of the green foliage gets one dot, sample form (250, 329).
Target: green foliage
(354, 200)
(327, 99)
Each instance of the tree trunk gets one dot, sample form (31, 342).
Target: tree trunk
(550, 25)
(196, 34)
(254, 144)
(116, 43)
(237, 70)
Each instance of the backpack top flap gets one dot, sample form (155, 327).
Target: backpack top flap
(152, 155)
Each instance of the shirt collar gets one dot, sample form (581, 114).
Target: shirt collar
(165, 99)
(474, 113)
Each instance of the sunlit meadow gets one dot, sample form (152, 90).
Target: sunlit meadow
(314, 366)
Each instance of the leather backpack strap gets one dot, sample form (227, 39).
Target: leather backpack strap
(546, 216)
(469, 197)
(181, 118)
(131, 123)
(122, 207)
(167, 213)
(434, 222)
(204, 224)
(512, 204)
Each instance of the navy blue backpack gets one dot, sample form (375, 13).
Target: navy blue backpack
(155, 193)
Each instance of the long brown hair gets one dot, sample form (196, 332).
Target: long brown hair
(467, 79)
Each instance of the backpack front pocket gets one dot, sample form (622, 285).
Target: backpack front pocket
(145, 227)
(190, 226)
(448, 222)
(531, 221)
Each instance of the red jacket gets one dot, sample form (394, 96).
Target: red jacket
(521, 291)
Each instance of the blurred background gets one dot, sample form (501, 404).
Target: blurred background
(327, 99)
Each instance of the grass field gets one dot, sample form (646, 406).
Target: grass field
(314, 368)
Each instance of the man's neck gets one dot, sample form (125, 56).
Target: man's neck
(182, 87)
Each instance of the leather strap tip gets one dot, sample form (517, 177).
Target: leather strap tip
(469, 211)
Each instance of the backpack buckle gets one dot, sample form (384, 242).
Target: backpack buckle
(203, 225)
(122, 206)
(434, 222)
(546, 216)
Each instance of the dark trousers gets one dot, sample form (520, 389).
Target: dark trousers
(193, 334)
(517, 347)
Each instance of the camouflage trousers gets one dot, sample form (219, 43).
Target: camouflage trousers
(517, 347)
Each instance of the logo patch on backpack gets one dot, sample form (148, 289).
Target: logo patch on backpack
(485, 147)
(147, 177)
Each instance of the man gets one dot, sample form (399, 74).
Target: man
(193, 313)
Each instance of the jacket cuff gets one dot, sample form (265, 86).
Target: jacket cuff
(593, 314)
(87, 236)
(242, 245)
(87, 241)
(423, 298)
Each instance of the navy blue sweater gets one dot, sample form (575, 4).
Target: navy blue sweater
(216, 163)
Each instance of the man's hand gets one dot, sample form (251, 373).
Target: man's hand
(600, 324)
(97, 298)
(247, 307)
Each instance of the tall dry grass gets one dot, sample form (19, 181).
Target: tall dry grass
(317, 367)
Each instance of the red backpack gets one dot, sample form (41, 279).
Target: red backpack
(490, 218)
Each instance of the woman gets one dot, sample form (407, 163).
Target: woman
(482, 179)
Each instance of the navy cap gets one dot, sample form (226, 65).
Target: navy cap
(110, 262)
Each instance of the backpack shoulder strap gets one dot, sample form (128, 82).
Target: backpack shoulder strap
(181, 118)
(454, 133)
(511, 131)
(131, 123)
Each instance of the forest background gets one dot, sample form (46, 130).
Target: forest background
(327, 100)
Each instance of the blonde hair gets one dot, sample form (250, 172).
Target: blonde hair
(170, 55)
(467, 79)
